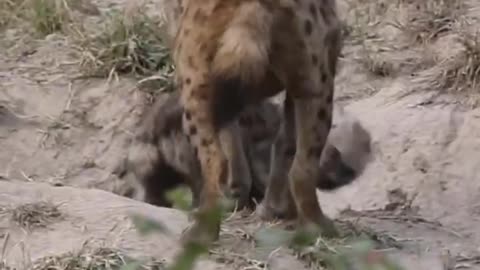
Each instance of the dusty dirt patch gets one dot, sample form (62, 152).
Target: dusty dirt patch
(99, 258)
(99, 227)
(35, 215)
(58, 128)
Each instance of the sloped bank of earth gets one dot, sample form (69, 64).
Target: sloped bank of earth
(58, 129)
(45, 226)
(423, 186)
(415, 222)
(422, 189)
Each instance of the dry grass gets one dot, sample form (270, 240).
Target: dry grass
(462, 72)
(95, 259)
(361, 30)
(430, 19)
(47, 16)
(362, 18)
(391, 62)
(406, 52)
(354, 247)
(7, 9)
(44, 16)
(377, 64)
(353, 250)
(35, 215)
(127, 44)
(458, 74)
(134, 45)
(12, 11)
(361, 255)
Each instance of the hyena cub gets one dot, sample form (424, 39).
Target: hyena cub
(161, 158)
(231, 54)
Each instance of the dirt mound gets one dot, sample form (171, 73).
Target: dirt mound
(409, 73)
(85, 217)
(96, 225)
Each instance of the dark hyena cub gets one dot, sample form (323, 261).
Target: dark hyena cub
(161, 157)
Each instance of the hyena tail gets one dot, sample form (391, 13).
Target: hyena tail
(241, 60)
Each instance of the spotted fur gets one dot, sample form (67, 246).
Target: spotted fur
(161, 158)
(232, 54)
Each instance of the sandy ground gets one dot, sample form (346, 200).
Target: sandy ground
(422, 189)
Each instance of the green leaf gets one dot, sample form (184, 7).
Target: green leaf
(146, 225)
(271, 237)
(186, 259)
(181, 198)
(131, 266)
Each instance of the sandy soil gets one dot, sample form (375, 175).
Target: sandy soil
(421, 190)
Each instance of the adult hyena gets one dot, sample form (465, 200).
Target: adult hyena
(231, 54)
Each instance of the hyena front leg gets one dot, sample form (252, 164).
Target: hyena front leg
(313, 117)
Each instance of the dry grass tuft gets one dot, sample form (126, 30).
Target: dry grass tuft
(10, 11)
(363, 16)
(335, 253)
(47, 16)
(354, 248)
(35, 215)
(95, 259)
(389, 61)
(429, 19)
(44, 16)
(127, 44)
(6, 9)
(377, 64)
(458, 74)
(353, 231)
